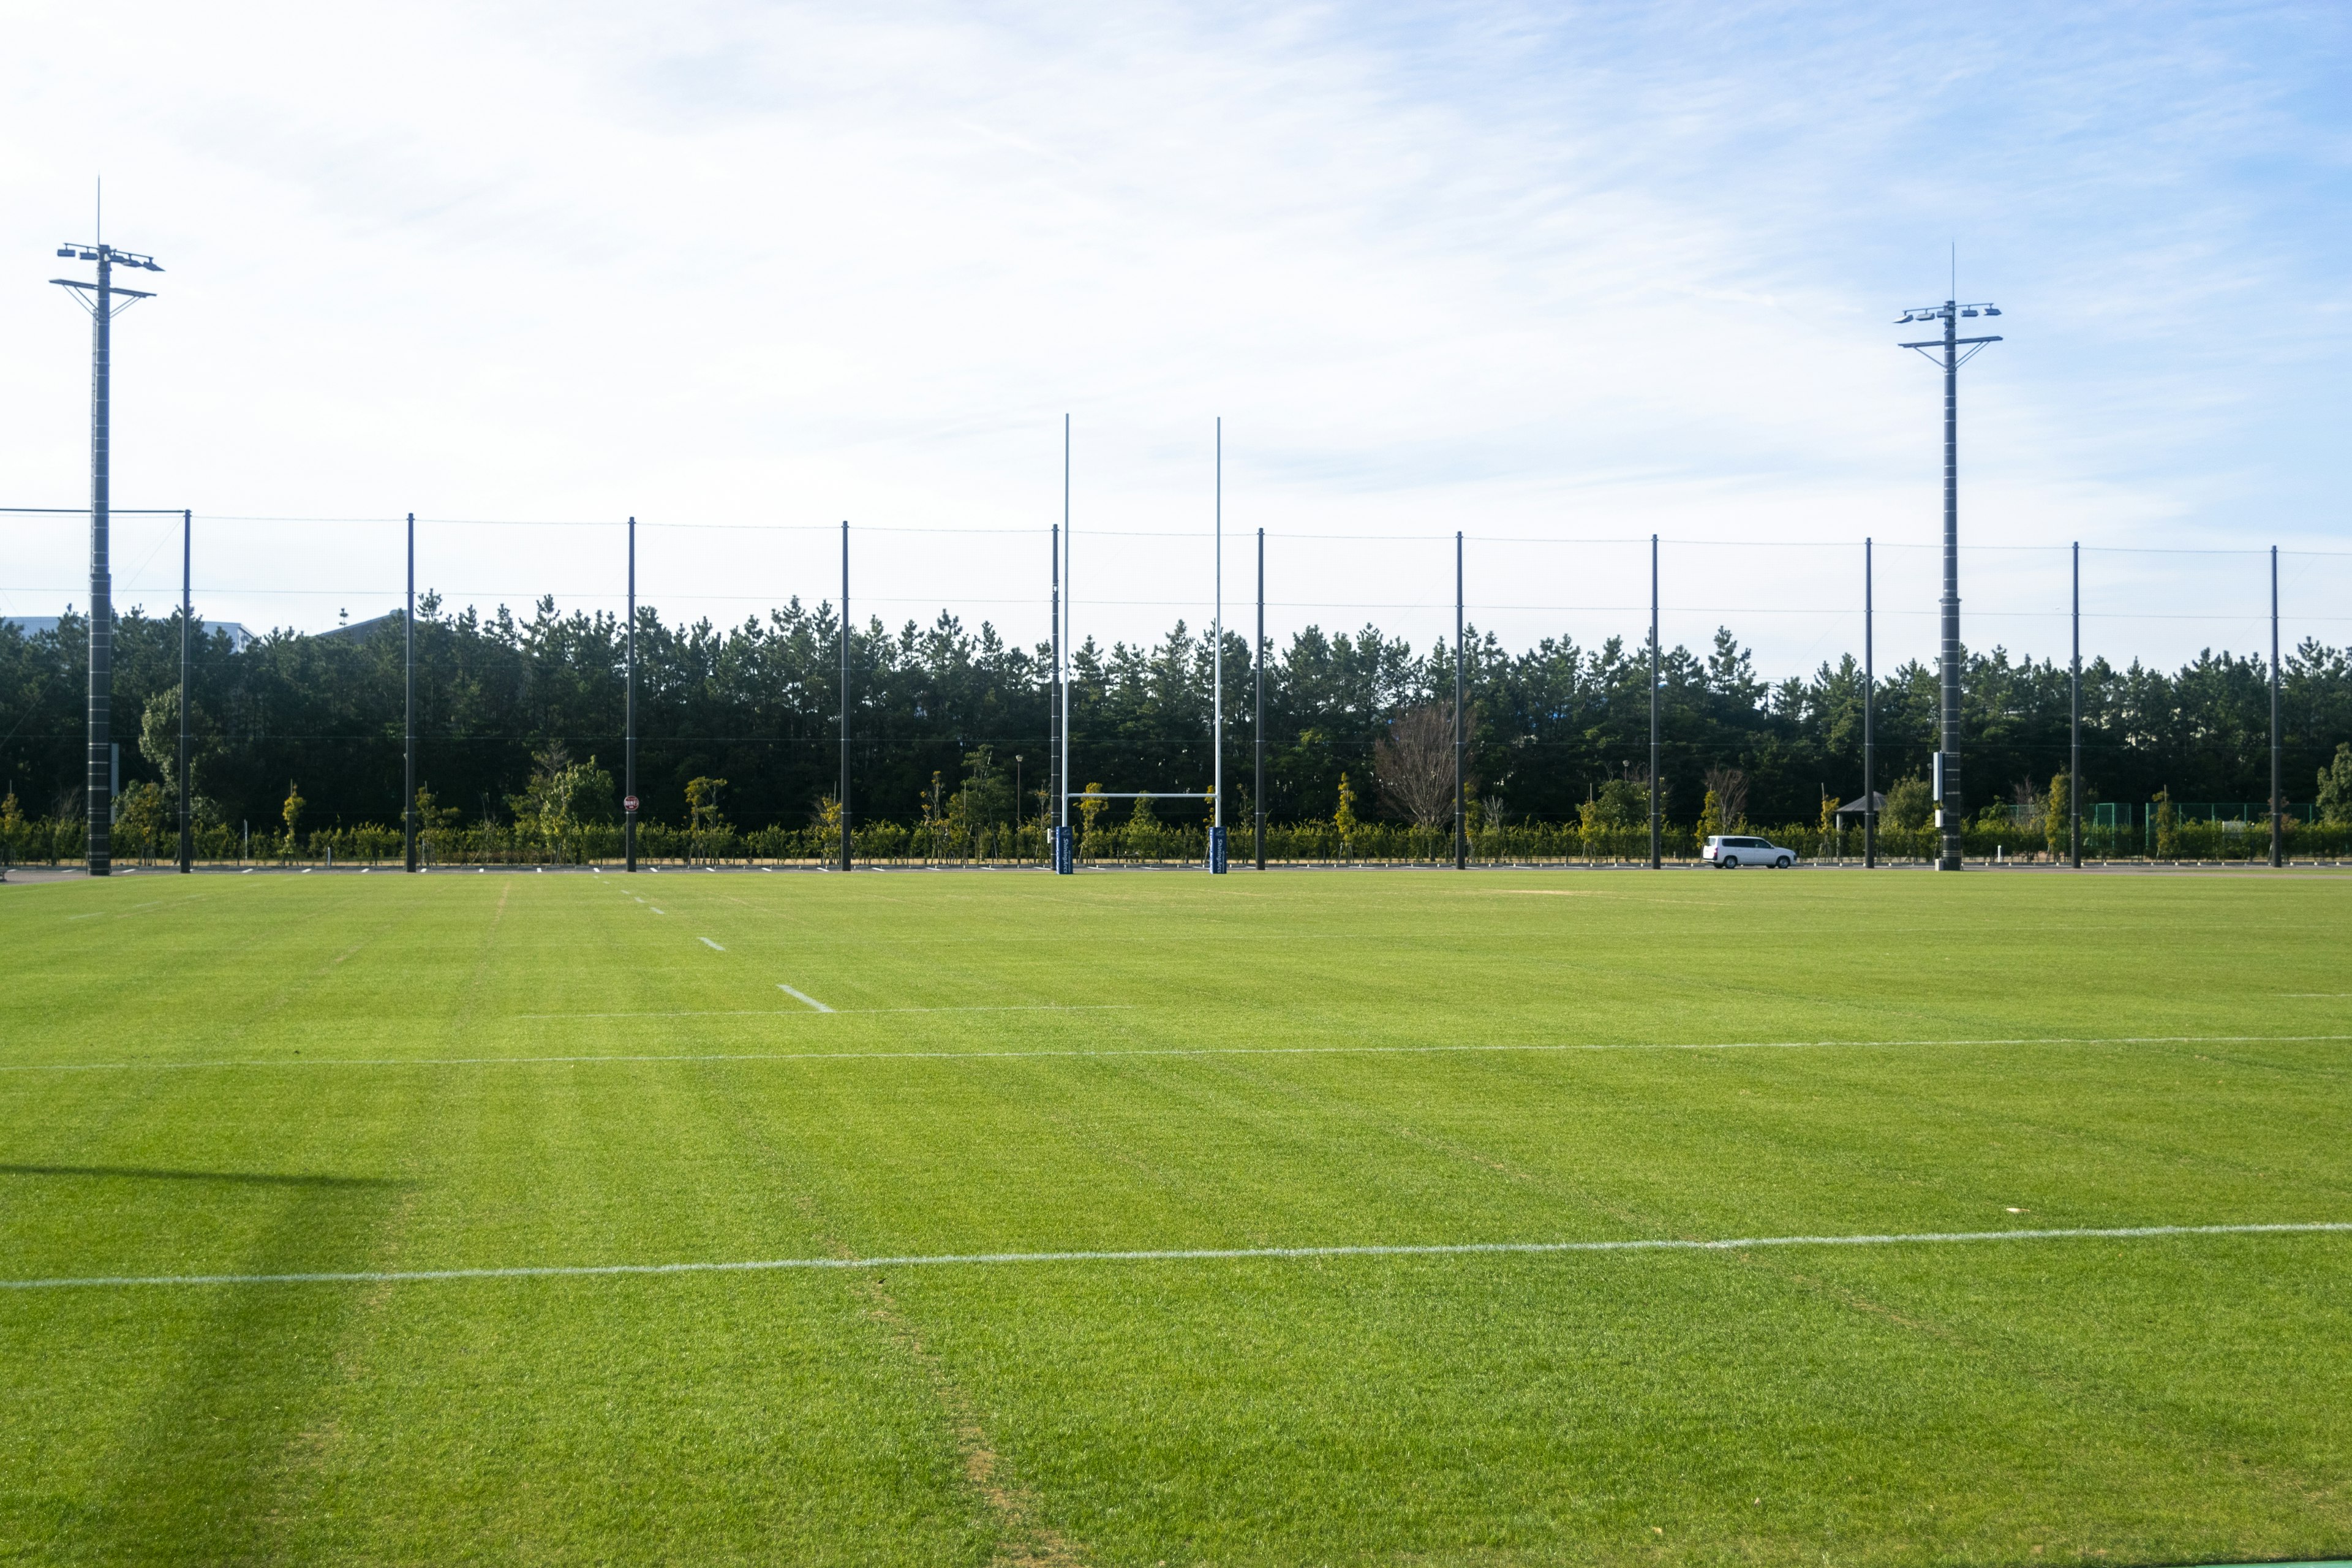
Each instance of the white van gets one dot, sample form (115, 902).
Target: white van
(1729, 853)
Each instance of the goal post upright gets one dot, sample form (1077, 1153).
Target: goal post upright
(1216, 846)
(1065, 856)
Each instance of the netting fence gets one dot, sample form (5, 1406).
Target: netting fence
(301, 742)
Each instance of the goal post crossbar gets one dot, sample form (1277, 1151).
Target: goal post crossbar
(1200, 794)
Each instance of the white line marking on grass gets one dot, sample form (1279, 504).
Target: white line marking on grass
(858, 1012)
(710, 944)
(804, 996)
(1086, 1055)
(1182, 1254)
(658, 911)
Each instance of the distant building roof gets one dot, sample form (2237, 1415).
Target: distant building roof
(239, 634)
(358, 630)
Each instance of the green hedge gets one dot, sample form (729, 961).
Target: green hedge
(59, 840)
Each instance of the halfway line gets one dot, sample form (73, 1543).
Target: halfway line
(1178, 1255)
(1138, 1051)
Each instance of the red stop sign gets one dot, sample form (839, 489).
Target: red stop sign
(629, 803)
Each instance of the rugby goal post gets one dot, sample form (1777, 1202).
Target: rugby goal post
(1064, 620)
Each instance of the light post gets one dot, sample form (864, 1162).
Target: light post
(1948, 801)
(104, 299)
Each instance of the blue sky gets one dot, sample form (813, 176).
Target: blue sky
(1551, 275)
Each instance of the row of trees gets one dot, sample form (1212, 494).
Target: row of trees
(520, 719)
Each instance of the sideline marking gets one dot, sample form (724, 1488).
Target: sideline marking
(1182, 1255)
(1096, 1008)
(803, 996)
(710, 944)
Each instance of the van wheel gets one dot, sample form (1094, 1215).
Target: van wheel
(1781, 864)
(1729, 863)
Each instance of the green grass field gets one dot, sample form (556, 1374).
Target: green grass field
(275, 1075)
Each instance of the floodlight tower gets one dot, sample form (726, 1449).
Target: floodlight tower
(1947, 756)
(104, 299)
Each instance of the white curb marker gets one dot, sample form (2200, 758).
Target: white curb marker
(1182, 1255)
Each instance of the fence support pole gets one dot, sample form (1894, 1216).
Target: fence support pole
(187, 824)
(2074, 727)
(1069, 632)
(1257, 724)
(2278, 807)
(844, 694)
(408, 707)
(1461, 733)
(1869, 709)
(629, 721)
(1656, 848)
(1056, 771)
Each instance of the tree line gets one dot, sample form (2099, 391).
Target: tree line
(740, 724)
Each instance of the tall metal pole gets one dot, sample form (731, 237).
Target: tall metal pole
(1949, 859)
(1869, 712)
(1257, 724)
(2278, 807)
(408, 703)
(2074, 726)
(100, 298)
(629, 722)
(100, 778)
(1950, 801)
(1461, 733)
(844, 694)
(1069, 625)
(187, 603)
(1217, 670)
(1658, 857)
(1055, 772)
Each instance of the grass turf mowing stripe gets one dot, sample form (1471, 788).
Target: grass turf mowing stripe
(520, 1060)
(1187, 1254)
